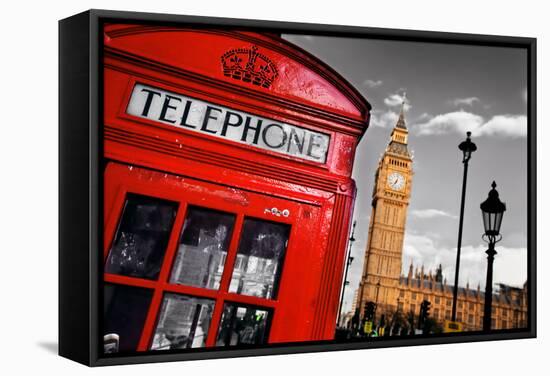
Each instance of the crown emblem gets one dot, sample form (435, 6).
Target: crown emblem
(248, 65)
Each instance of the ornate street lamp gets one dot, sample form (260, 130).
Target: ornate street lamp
(348, 264)
(467, 147)
(492, 210)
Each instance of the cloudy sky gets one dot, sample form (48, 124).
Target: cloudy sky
(450, 89)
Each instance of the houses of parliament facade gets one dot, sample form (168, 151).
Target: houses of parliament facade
(382, 281)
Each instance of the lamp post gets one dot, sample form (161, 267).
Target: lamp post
(467, 147)
(348, 263)
(492, 210)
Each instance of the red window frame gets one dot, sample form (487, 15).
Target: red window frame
(120, 180)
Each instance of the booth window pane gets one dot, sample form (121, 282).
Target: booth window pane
(243, 325)
(259, 258)
(142, 237)
(183, 322)
(203, 248)
(124, 312)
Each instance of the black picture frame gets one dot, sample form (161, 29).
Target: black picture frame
(80, 182)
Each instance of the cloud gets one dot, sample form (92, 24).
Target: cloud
(385, 119)
(373, 84)
(505, 125)
(424, 116)
(510, 265)
(418, 248)
(463, 121)
(456, 122)
(431, 213)
(394, 100)
(464, 101)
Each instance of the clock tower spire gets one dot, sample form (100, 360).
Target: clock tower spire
(400, 132)
(390, 201)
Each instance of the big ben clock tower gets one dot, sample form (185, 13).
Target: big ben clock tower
(390, 201)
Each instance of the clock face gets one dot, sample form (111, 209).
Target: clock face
(396, 181)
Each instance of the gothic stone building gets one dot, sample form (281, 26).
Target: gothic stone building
(509, 303)
(382, 281)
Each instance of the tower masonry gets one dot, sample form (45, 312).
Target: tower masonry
(390, 202)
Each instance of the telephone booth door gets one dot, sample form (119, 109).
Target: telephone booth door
(190, 264)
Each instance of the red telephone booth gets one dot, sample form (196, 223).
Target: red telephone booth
(227, 188)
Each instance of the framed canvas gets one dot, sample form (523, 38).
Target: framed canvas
(239, 187)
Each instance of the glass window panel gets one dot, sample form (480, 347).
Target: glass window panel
(124, 312)
(486, 222)
(243, 325)
(203, 248)
(141, 238)
(183, 322)
(259, 258)
(498, 221)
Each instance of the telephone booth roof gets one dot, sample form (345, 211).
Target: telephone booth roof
(290, 77)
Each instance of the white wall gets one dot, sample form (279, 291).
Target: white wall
(28, 213)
